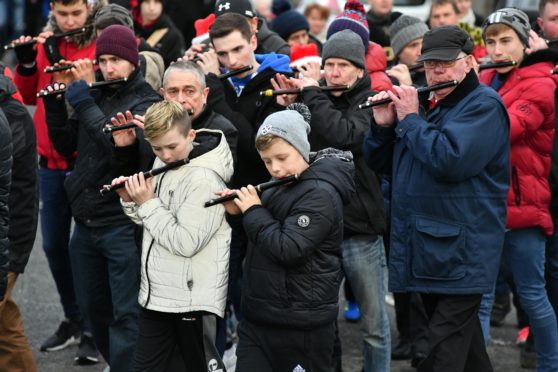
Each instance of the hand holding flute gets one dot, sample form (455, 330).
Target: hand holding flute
(244, 198)
(124, 137)
(137, 188)
(403, 102)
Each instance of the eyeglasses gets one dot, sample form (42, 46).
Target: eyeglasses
(444, 64)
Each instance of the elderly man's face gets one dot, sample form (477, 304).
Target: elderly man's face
(184, 87)
(441, 71)
(339, 71)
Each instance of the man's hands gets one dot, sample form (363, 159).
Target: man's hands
(246, 198)
(403, 102)
(401, 73)
(282, 82)
(205, 57)
(137, 189)
(82, 70)
(51, 88)
(126, 137)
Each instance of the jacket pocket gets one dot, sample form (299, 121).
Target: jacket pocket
(438, 249)
(515, 186)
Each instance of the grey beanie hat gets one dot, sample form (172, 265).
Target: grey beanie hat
(292, 125)
(113, 14)
(404, 30)
(345, 44)
(512, 17)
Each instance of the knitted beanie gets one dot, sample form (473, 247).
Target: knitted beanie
(119, 41)
(404, 30)
(352, 18)
(512, 17)
(287, 21)
(347, 45)
(292, 125)
(113, 14)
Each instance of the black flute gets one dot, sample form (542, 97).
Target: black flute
(91, 85)
(271, 92)
(414, 67)
(56, 36)
(485, 66)
(152, 173)
(51, 69)
(421, 90)
(260, 188)
(234, 72)
(109, 128)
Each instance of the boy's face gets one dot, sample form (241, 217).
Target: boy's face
(298, 38)
(410, 53)
(173, 145)
(184, 88)
(113, 67)
(548, 21)
(443, 15)
(150, 10)
(70, 17)
(283, 160)
(234, 52)
(505, 46)
(339, 71)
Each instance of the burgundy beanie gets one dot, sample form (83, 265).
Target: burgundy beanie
(353, 18)
(119, 41)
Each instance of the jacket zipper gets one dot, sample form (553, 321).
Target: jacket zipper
(157, 189)
(515, 185)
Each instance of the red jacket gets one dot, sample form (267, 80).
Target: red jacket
(528, 94)
(30, 85)
(376, 64)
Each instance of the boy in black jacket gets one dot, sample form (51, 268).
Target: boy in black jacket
(293, 262)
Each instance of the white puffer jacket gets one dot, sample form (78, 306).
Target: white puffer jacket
(185, 249)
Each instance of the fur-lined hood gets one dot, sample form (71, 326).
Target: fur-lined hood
(89, 35)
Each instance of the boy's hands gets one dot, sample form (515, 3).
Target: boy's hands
(246, 198)
(139, 189)
(122, 192)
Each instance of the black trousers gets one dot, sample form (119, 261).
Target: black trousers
(194, 334)
(411, 320)
(455, 337)
(268, 349)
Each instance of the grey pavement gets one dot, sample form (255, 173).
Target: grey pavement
(36, 295)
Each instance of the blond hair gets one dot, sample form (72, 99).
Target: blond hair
(163, 116)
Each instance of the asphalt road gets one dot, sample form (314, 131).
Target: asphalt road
(37, 297)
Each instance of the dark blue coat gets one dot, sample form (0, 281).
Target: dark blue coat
(450, 176)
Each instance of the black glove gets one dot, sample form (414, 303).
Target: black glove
(26, 53)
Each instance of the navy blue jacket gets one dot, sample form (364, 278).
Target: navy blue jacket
(450, 175)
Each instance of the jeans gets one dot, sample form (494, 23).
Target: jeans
(106, 262)
(364, 263)
(56, 219)
(552, 264)
(524, 254)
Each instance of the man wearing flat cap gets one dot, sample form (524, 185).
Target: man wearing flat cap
(449, 163)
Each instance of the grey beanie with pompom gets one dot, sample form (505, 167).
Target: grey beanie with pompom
(292, 125)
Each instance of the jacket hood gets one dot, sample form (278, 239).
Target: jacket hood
(212, 151)
(276, 62)
(335, 167)
(88, 36)
(375, 58)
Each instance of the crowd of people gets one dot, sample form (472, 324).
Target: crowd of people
(212, 182)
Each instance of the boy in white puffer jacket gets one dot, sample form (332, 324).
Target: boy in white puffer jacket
(185, 249)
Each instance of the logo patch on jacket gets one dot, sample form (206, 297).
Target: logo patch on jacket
(303, 221)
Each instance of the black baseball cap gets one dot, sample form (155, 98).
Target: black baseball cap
(243, 7)
(444, 43)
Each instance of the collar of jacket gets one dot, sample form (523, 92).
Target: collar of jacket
(133, 79)
(468, 84)
(543, 55)
(204, 115)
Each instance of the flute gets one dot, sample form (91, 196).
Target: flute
(91, 85)
(554, 72)
(234, 72)
(414, 67)
(271, 92)
(109, 128)
(56, 36)
(421, 90)
(152, 173)
(484, 66)
(260, 188)
(51, 69)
